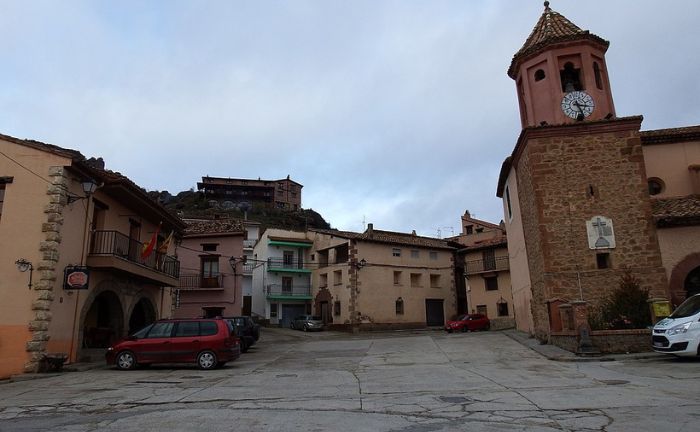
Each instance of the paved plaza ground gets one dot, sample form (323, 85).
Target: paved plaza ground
(411, 381)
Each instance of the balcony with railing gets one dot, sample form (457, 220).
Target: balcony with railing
(286, 292)
(192, 282)
(248, 269)
(287, 265)
(488, 265)
(115, 250)
(249, 244)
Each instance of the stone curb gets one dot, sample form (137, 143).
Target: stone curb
(554, 353)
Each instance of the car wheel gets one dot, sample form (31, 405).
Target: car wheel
(487, 327)
(448, 330)
(244, 346)
(306, 328)
(206, 360)
(465, 329)
(291, 326)
(126, 360)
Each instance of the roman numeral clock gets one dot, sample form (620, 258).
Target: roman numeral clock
(577, 105)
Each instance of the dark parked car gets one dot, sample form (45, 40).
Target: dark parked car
(307, 323)
(209, 343)
(246, 329)
(468, 322)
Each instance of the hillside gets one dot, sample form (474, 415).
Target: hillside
(191, 204)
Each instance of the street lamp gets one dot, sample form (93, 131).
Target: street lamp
(89, 186)
(23, 265)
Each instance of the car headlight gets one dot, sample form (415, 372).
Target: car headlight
(678, 329)
(110, 349)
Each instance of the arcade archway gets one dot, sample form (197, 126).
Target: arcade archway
(104, 321)
(143, 314)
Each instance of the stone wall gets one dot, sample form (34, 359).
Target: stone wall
(607, 341)
(566, 176)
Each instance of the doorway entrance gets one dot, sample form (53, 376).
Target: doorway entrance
(143, 314)
(434, 313)
(104, 321)
(692, 282)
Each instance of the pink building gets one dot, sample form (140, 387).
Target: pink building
(210, 280)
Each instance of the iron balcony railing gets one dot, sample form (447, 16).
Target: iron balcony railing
(114, 243)
(482, 266)
(248, 268)
(285, 290)
(198, 281)
(286, 264)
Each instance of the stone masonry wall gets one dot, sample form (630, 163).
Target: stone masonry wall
(568, 176)
(46, 268)
(529, 205)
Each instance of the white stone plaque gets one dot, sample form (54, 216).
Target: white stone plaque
(600, 233)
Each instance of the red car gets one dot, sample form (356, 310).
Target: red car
(209, 343)
(468, 322)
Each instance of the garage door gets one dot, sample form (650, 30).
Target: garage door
(289, 312)
(434, 313)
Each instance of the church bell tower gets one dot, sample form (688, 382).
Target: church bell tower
(560, 74)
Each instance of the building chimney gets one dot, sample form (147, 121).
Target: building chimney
(370, 229)
(413, 233)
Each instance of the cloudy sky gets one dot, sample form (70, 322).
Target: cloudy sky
(392, 112)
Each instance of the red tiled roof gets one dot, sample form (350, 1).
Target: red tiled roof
(111, 181)
(676, 211)
(390, 237)
(551, 28)
(671, 135)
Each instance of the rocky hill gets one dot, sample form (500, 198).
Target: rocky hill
(192, 204)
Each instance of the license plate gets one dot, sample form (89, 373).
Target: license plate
(658, 344)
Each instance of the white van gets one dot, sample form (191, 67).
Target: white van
(679, 333)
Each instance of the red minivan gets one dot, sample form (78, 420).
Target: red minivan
(209, 343)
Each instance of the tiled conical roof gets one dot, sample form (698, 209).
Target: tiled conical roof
(551, 28)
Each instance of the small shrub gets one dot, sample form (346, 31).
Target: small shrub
(626, 307)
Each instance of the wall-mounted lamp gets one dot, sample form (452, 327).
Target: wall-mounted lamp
(23, 265)
(89, 187)
(360, 264)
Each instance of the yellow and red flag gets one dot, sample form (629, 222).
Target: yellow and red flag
(163, 248)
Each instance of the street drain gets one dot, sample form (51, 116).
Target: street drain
(454, 399)
(192, 377)
(614, 382)
(286, 376)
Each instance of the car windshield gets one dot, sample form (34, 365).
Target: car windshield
(462, 317)
(315, 318)
(141, 333)
(688, 308)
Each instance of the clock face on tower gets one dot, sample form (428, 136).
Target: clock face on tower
(577, 105)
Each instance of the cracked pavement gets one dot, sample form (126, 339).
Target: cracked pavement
(396, 381)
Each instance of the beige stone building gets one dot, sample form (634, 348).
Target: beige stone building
(382, 279)
(73, 273)
(483, 261)
(672, 162)
(227, 192)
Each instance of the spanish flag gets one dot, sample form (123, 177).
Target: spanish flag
(148, 247)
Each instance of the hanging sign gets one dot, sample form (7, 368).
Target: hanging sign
(76, 277)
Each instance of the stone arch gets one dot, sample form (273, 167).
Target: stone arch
(142, 313)
(102, 320)
(323, 305)
(679, 274)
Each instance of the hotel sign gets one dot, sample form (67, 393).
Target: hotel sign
(76, 277)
